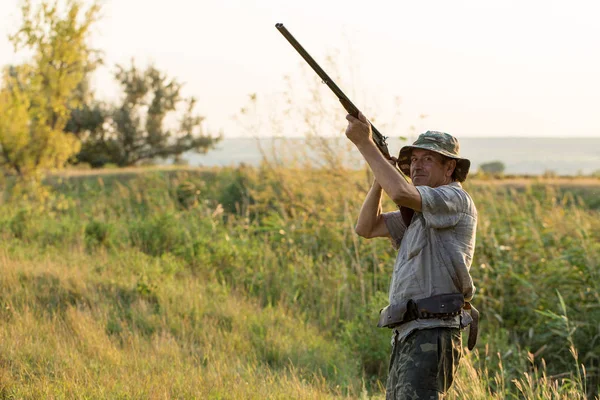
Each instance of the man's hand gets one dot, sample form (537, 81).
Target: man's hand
(388, 177)
(359, 129)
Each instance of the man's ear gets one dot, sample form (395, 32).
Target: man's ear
(451, 167)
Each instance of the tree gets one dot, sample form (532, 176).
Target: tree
(135, 130)
(492, 168)
(36, 97)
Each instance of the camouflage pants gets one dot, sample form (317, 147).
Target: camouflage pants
(422, 367)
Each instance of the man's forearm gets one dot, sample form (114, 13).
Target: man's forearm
(370, 212)
(386, 175)
(390, 179)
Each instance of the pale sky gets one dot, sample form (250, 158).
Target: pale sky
(475, 68)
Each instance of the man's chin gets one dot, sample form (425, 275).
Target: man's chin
(419, 181)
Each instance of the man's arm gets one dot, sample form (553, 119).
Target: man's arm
(370, 222)
(400, 191)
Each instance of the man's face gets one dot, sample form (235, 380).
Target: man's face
(427, 168)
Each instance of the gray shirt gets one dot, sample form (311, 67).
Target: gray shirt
(435, 251)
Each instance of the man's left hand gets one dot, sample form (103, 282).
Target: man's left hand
(359, 129)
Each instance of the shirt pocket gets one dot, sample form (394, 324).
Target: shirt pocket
(417, 238)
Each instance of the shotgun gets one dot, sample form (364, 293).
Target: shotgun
(378, 138)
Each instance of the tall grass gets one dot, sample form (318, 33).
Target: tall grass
(250, 283)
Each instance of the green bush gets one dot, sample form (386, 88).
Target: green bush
(158, 234)
(98, 233)
(493, 167)
(291, 246)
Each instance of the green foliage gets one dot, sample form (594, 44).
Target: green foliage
(187, 195)
(134, 132)
(157, 235)
(20, 223)
(97, 233)
(281, 283)
(36, 97)
(493, 168)
(49, 113)
(374, 353)
(234, 197)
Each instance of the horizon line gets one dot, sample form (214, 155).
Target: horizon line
(389, 137)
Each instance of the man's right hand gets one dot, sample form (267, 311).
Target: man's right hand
(359, 129)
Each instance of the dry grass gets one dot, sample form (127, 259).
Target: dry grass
(54, 341)
(112, 288)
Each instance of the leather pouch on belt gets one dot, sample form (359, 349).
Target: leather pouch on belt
(391, 315)
(443, 304)
(474, 326)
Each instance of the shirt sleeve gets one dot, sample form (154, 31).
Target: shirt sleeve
(443, 206)
(395, 225)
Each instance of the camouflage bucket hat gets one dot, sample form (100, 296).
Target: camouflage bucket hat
(440, 142)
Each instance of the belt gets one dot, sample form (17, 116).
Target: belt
(440, 306)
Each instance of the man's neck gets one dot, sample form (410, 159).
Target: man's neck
(446, 182)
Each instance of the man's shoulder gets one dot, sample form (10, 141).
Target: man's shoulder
(449, 191)
(452, 195)
(468, 205)
(457, 188)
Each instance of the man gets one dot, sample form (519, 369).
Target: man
(431, 279)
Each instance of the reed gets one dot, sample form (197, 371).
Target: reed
(250, 283)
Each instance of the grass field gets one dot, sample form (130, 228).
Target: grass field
(251, 283)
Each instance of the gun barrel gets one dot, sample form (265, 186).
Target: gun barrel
(322, 74)
(378, 138)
